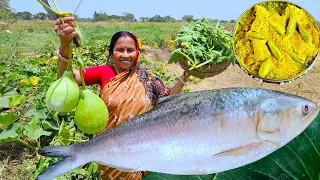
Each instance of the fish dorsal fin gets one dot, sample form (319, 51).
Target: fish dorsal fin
(168, 99)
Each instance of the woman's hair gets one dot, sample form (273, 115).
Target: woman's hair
(120, 34)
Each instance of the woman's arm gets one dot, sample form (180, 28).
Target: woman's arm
(65, 30)
(62, 64)
(177, 88)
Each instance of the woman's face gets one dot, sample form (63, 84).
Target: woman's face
(124, 53)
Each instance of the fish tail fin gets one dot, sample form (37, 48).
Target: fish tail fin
(67, 164)
(56, 151)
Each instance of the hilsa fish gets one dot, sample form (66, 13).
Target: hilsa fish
(201, 132)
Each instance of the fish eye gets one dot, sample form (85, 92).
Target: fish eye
(305, 110)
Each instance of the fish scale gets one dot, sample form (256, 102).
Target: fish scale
(201, 132)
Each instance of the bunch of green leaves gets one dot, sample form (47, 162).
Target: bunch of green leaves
(299, 159)
(203, 43)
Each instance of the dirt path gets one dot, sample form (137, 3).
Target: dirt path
(307, 86)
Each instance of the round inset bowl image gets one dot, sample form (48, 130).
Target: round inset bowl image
(276, 41)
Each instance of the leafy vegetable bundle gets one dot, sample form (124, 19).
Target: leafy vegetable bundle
(203, 43)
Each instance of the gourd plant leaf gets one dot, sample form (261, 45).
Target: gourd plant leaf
(12, 133)
(66, 132)
(5, 93)
(14, 101)
(4, 103)
(7, 119)
(49, 125)
(34, 80)
(299, 159)
(34, 130)
(175, 56)
(41, 113)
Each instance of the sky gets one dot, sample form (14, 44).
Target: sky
(213, 9)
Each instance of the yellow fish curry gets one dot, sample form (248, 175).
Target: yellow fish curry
(276, 40)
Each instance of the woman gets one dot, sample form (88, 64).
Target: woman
(127, 89)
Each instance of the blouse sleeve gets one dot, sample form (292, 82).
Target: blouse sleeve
(158, 87)
(154, 86)
(98, 75)
(92, 75)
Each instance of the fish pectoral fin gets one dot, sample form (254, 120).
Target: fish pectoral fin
(241, 151)
(243, 155)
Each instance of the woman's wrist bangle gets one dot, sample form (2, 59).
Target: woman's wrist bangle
(185, 76)
(61, 58)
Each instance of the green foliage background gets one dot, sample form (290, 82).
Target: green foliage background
(28, 55)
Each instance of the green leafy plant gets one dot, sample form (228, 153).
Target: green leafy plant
(15, 100)
(6, 119)
(6, 92)
(32, 130)
(202, 43)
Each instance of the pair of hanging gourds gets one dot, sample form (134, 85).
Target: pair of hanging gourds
(63, 95)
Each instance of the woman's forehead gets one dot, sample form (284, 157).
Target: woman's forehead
(127, 40)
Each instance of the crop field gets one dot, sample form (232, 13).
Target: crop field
(28, 55)
(27, 63)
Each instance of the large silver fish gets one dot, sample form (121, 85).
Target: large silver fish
(196, 133)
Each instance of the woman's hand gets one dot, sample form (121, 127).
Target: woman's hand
(185, 76)
(177, 88)
(65, 28)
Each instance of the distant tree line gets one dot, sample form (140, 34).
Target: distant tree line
(102, 16)
(8, 14)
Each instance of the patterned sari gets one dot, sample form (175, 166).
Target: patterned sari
(125, 97)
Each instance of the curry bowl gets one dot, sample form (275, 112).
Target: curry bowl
(276, 41)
